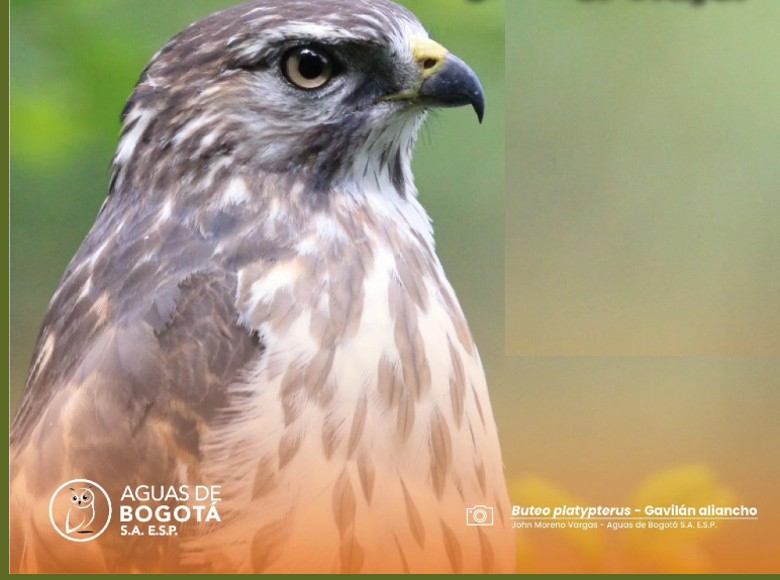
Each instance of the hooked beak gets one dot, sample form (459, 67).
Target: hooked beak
(444, 80)
(447, 80)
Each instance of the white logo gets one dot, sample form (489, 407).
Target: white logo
(479, 515)
(80, 510)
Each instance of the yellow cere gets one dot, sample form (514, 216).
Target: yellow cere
(430, 55)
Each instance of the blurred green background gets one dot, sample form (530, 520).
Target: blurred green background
(73, 66)
(643, 218)
(644, 192)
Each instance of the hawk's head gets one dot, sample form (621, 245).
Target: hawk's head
(327, 91)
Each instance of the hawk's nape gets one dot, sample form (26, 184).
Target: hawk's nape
(259, 307)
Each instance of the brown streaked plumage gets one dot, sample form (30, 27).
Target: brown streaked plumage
(259, 306)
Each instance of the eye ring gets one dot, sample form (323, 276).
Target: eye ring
(308, 67)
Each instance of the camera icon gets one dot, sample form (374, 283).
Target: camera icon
(479, 515)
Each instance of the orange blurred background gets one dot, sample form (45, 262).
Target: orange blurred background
(642, 277)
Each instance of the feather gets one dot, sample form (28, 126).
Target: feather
(259, 306)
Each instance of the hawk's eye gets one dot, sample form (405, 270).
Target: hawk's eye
(308, 68)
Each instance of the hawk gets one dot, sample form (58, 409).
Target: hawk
(259, 306)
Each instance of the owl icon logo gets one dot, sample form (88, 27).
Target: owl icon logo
(80, 510)
(82, 513)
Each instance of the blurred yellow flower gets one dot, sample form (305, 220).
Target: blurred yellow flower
(679, 549)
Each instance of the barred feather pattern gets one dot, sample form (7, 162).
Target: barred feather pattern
(259, 305)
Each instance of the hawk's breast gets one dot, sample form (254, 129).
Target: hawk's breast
(369, 395)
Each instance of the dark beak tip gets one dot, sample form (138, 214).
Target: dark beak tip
(479, 107)
(455, 85)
